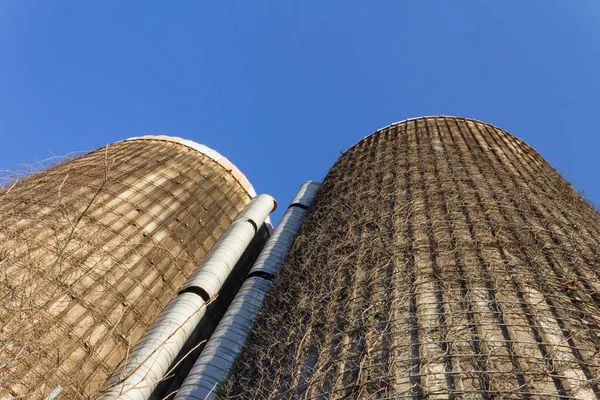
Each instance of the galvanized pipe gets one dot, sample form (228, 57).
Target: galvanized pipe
(152, 356)
(222, 349)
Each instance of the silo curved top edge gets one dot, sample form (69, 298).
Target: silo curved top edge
(426, 117)
(207, 151)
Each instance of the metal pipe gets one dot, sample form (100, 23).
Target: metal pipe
(224, 346)
(152, 356)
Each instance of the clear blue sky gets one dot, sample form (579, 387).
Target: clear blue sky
(281, 87)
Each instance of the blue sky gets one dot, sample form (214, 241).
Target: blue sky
(282, 87)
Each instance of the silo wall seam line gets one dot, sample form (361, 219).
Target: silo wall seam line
(222, 349)
(413, 317)
(435, 286)
(451, 272)
(150, 359)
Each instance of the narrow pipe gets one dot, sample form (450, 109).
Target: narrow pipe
(151, 357)
(224, 346)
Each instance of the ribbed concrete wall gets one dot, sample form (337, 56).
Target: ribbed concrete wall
(443, 258)
(91, 251)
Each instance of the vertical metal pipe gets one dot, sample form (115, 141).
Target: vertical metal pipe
(150, 359)
(221, 351)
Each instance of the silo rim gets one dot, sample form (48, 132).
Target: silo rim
(207, 151)
(426, 117)
(218, 158)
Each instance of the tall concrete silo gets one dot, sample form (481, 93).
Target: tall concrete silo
(91, 251)
(442, 259)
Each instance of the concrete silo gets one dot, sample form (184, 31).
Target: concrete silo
(443, 258)
(92, 249)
